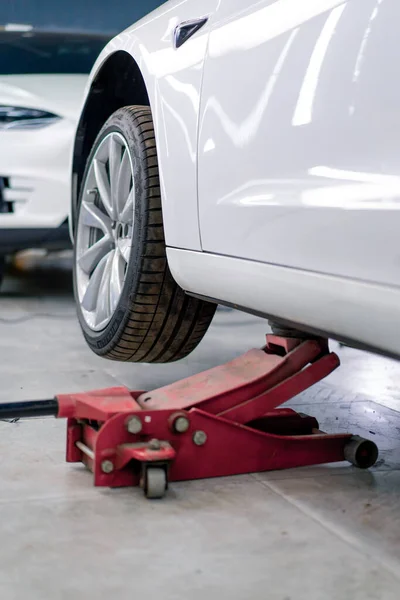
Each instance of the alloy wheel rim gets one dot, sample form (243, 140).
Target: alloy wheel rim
(104, 231)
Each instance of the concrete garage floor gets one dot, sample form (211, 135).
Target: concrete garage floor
(326, 532)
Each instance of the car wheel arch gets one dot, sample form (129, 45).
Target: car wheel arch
(119, 82)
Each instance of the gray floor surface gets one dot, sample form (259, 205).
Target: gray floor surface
(325, 532)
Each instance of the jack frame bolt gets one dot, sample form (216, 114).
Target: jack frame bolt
(107, 466)
(199, 438)
(154, 445)
(134, 425)
(181, 424)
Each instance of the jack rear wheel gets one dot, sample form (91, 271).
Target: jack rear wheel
(360, 452)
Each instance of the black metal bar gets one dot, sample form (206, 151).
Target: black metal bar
(31, 408)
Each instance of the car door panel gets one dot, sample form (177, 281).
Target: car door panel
(298, 143)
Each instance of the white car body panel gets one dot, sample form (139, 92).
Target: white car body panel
(36, 161)
(277, 133)
(173, 80)
(302, 168)
(347, 309)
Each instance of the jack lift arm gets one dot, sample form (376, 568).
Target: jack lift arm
(223, 421)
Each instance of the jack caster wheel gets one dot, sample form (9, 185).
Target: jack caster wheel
(361, 452)
(155, 483)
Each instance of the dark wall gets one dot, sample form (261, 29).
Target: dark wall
(98, 15)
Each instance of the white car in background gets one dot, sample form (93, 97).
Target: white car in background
(242, 152)
(42, 81)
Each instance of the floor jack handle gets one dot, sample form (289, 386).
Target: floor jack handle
(29, 409)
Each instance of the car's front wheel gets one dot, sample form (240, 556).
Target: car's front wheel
(129, 306)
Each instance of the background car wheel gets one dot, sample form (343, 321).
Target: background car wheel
(129, 306)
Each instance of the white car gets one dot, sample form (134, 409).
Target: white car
(242, 152)
(42, 81)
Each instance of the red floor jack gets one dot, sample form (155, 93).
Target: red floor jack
(224, 421)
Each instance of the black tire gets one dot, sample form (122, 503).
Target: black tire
(2, 268)
(155, 321)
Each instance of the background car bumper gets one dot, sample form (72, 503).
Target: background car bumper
(34, 168)
(55, 238)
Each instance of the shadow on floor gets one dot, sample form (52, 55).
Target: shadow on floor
(37, 277)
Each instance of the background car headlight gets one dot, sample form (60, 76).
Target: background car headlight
(15, 117)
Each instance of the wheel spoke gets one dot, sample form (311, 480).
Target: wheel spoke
(89, 300)
(91, 257)
(92, 216)
(115, 150)
(117, 279)
(124, 181)
(103, 185)
(103, 309)
(126, 215)
(105, 229)
(124, 246)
